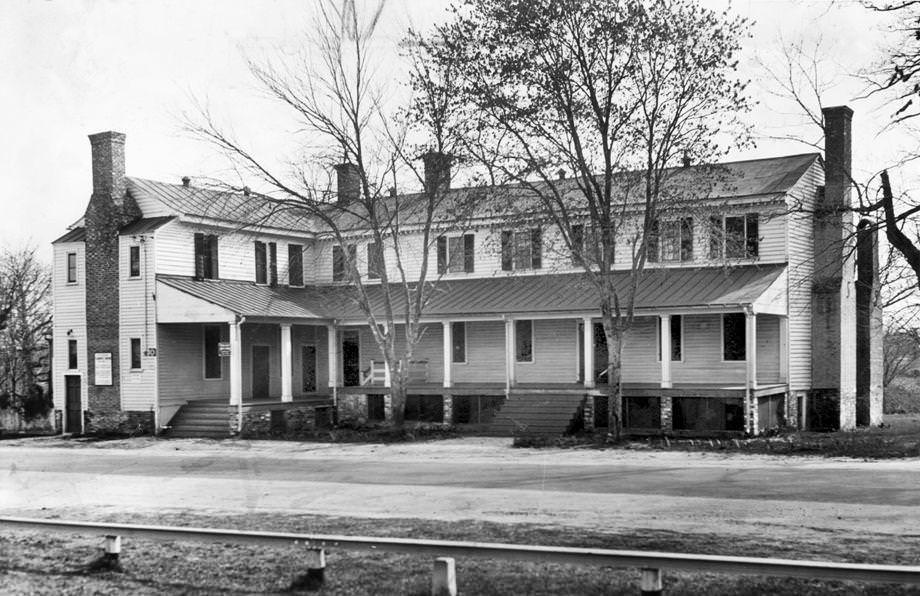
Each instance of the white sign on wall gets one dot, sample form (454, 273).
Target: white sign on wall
(103, 368)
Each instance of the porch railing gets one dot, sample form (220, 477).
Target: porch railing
(376, 373)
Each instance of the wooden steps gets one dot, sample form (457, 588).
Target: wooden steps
(537, 414)
(201, 419)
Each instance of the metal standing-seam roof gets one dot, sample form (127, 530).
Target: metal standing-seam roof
(77, 234)
(659, 289)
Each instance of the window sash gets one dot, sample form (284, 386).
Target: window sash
(339, 263)
(135, 353)
(735, 241)
(295, 265)
(72, 362)
(261, 262)
(272, 263)
(71, 267)
(206, 257)
(523, 340)
(458, 340)
(134, 261)
(374, 260)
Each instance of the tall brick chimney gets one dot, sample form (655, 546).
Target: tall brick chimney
(348, 180)
(110, 207)
(437, 171)
(833, 293)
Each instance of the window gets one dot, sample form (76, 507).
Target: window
(577, 238)
(272, 264)
(456, 254)
(340, 261)
(458, 336)
(134, 261)
(734, 237)
(522, 249)
(71, 267)
(206, 256)
(374, 260)
(523, 339)
(71, 354)
(261, 263)
(671, 241)
(676, 337)
(734, 337)
(295, 265)
(135, 353)
(212, 362)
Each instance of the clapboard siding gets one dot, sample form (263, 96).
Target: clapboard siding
(800, 246)
(485, 353)
(69, 316)
(702, 352)
(555, 353)
(137, 319)
(640, 352)
(768, 349)
(181, 365)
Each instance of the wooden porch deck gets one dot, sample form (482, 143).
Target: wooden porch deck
(629, 389)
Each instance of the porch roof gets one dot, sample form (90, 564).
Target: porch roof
(659, 289)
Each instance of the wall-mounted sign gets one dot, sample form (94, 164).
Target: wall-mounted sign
(103, 368)
(223, 348)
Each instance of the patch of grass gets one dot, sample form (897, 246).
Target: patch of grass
(898, 438)
(34, 563)
(382, 433)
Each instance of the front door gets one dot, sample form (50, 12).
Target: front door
(73, 411)
(260, 372)
(308, 367)
(351, 358)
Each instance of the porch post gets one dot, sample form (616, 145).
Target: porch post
(387, 381)
(332, 355)
(588, 341)
(664, 333)
(448, 353)
(236, 363)
(509, 354)
(750, 320)
(286, 392)
(784, 349)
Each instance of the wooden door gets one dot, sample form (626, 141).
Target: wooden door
(308, 367)
(72, 403)
(260, 373)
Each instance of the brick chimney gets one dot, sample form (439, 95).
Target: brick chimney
(833, 292)
(110, 207)
(348, 183)
(437, 171)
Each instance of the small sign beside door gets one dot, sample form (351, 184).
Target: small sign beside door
(103, 361)
(223, 348)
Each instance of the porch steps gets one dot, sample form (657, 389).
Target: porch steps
(536, 414)
(201, 419)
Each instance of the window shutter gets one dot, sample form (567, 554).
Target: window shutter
(753, 235)
(651, 246)
(261, 277)
(577, 238)
(536, 248)
(213, 257)
(199, 256)
(469, 257)
(272, 263)
(295, 265)
(338, 264)
(442, 255)
(507, 250)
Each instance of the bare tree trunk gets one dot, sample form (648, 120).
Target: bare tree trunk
(614, 369)
(399, 388)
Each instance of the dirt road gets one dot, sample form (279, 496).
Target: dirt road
(481, 479)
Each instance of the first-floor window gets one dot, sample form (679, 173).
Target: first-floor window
(71, 354)
(135, 353)
(523, 336)
(458, 335)
(676, 337)
(734, 336)
(212, 364)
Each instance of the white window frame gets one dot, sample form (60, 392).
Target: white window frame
(140, 269)
(76, 273)
(140, 354)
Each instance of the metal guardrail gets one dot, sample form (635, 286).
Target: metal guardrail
(650, 562)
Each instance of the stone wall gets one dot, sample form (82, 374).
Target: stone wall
(107, 421)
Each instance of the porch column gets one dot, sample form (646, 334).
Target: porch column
(332, 352)
(588, 341)
(236, 363)
(784, 349)
(286, 392)
(665, 335)
(509, 354)
(448, 353)
(387, 381)
(750, 353)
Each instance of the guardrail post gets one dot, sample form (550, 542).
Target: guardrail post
(316, 571)
(112, 548)
(444, 577)
(651, 582)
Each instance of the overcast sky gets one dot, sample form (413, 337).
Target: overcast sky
(73, 68)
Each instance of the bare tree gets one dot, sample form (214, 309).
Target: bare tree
(25, 300)
(617, 94)
(349, 118)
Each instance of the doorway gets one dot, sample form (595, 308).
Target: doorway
(351, 358)
(260, 371)
(308, 367)
(72, 404)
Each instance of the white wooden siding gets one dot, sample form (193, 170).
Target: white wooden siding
(485, 354)
(69, 316)
(555, 353)
(137, 319)
(181, 365)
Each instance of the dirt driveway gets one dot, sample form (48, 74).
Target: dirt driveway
(483, 479)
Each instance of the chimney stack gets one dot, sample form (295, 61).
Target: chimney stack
(838, 154)
(108, 153)
(437, 171)
(348, 183)
(186, 181)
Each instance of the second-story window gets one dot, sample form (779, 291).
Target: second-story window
(71, 267)
(295, 265)
(375, 263)
(206, 256)
(261, 263)
(340, 260)
(272, 264)
(671, 241)
(134, 261)
(522, 249)
(734, 236)
(456, 254)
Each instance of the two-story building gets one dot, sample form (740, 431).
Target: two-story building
(205, 312)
